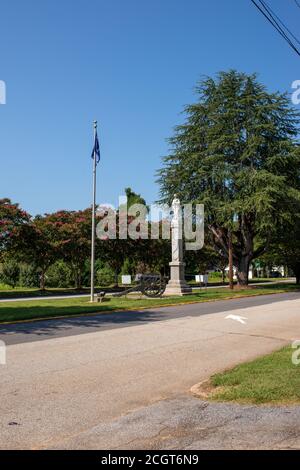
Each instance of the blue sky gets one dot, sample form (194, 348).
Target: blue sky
(132, 64)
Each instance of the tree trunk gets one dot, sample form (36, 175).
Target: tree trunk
(42, 280)
(243, 270)
(76, 274)
(78, 280)
(297, 274)
(242, 244)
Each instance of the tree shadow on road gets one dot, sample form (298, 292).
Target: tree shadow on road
(45, 329)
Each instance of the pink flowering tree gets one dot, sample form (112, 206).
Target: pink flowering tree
(12, 221)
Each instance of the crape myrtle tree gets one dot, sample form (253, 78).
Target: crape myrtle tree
(26, 240)
(114, 252)
(72, 233)
(142, 255)
(12, 221)
(23, 239)
(237, 154)
(37, 245)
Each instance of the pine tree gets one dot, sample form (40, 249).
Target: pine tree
(237, 154)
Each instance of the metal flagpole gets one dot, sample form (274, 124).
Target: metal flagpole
(93, 218)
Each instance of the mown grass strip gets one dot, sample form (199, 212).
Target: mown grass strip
(47, 308)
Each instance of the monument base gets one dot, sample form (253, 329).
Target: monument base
(177, 284)
(178, 288)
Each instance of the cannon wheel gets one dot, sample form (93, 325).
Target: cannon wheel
(153, 286)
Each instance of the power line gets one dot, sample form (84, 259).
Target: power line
(282, 30)
(270, 16)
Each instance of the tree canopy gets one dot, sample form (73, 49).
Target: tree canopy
(12, 220)
(237, 153)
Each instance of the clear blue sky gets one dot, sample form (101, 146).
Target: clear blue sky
(132, 64)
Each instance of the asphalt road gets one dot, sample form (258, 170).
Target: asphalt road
(47, 329)
(187, 423)
(123, 380)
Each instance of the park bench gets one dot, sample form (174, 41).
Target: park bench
(100, 296)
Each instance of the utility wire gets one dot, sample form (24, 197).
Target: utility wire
(282, 30)
(272, 14)
(267, 13)
(273, 21)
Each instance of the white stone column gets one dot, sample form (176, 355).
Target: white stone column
(177, 284)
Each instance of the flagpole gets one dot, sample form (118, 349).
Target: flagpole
(93, 219)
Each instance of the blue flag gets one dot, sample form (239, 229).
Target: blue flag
(96, 149)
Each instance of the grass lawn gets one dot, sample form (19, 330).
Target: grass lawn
(7, 292)
(271, 379)
(25, 310)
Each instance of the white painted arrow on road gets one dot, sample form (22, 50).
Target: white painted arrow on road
(237, 318)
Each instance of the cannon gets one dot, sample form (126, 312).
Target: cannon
(150, 285)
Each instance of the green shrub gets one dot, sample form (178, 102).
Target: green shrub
(127, 268)
(29, 276)
(10, 272)
(105, 276)
(59, 275)
(216, 275)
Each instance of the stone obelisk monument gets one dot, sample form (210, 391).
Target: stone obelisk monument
(177, 284)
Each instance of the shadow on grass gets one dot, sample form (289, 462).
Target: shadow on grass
(18, 293)
(24, 294)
